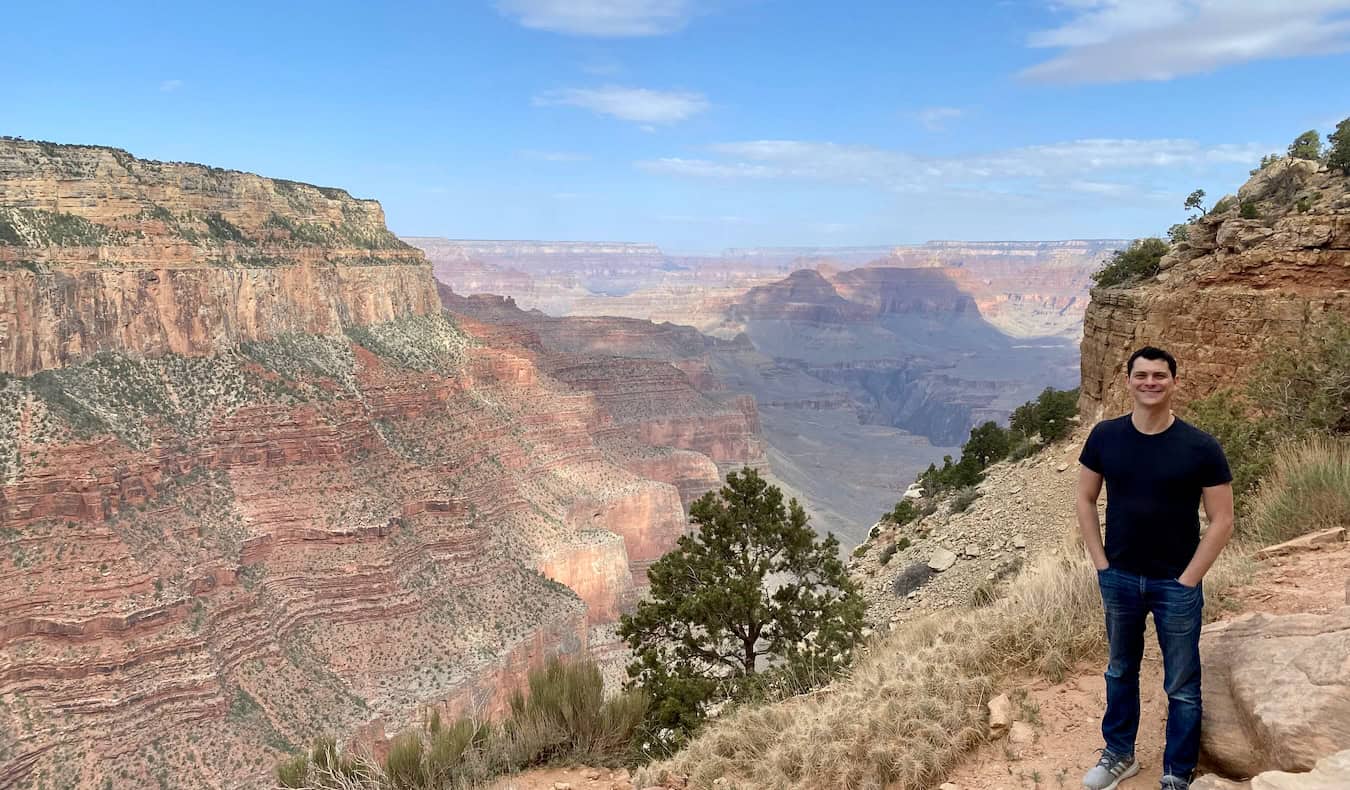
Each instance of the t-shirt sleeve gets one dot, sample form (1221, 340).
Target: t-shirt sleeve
(1091, 456)
(1214, 466)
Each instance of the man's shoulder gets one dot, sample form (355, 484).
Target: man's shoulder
(1198, 440)
(1113, 425)
(1195, 433)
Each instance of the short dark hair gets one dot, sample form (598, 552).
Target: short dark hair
(1153, 353)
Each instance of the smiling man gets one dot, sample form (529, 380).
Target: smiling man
(1157, 470)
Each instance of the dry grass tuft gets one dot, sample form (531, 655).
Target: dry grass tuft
(1308, 489)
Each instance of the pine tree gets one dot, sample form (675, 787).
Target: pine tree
(753, 588)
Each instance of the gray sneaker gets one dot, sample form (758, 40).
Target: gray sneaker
(1111, 770)
(1170, 782)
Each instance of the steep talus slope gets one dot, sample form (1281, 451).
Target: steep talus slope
(256, 486)
(1235, 288)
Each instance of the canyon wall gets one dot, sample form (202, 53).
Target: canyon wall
(256, 485)
(1234, 290)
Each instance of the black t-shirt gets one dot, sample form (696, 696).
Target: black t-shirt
(1153, 487)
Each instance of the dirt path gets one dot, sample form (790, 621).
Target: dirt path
(1065, 718)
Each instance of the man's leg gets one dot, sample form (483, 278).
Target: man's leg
(1177, 615)
(1123, 600)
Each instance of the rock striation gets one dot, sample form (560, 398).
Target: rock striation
(668, 417)
(256, 486)
(1235, 289)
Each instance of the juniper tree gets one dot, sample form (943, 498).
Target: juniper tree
(752, 590)
(1306, 146)
(1338, 148)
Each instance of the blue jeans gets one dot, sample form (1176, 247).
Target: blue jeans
(1176, 608)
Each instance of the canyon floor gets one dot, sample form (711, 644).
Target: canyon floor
(1063, 718)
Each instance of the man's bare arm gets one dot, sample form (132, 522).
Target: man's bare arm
(1089, 488)
(1218, 501)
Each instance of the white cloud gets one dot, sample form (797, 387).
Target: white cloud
(1123, 40)
(934, 119)
(1101, 167)
(606, 18)
(640, 105)
(169, 86)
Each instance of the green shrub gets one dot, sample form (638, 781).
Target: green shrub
(1179, 232)
(1303, 206)
(566, 715)
(904, 512)
(1308, 490)
(1223, 205)
(890, 550)
(1050, 416)
(1139, 261)
(1248, 210)
(1305, 388)
(1245, 439)
(1266, 161)
(1306, 146)
(964, 499)
(294, 772)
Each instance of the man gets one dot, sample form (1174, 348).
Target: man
(1157, 470)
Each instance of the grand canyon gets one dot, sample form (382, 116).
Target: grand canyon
(265, 476)
(866, 364)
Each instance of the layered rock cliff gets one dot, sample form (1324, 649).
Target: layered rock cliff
(1234, 289)
(669, 417)
(255, 485)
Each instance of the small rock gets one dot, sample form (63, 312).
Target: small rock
(949, 786)
(1021, 733)
(941, 560)
(1062, 467)
(562, 786)
(972, 550)
(1019, 541)
(1000, 715)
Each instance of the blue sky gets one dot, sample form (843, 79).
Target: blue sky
(701, 124)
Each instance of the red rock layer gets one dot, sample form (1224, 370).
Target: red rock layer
(211, 552)
(1236, 289)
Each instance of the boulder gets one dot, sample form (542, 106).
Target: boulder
(1330, 773)
(1000, 716)
(911, 579)
(1276, 692)
(941, 560)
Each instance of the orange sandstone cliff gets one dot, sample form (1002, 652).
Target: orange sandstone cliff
(255, 485)
(1233, 290)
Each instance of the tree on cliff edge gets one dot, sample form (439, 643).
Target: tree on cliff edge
(752, 592)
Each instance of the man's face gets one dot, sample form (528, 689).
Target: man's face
(1150, 382)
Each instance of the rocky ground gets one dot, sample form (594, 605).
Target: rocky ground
(1059, 723)
(1025, 509)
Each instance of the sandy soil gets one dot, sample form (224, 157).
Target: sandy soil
(576, 778)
